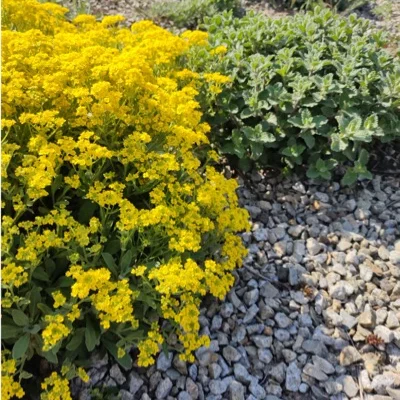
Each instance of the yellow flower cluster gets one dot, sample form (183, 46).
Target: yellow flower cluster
(55, 387)
(104, 147)
(10, 388)
(112, 300)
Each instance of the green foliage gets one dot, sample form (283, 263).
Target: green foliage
(337, 5)
(190, 13)
(311, 90)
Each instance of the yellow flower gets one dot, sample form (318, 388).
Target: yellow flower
(121, 352)
(59, 299)
(139, 271)
(83, 375)
(55, 388)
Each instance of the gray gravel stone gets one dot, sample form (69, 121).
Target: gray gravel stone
(236, 391)
(293, 377)
(163, 388)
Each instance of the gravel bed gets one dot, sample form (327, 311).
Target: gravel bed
(314, 313)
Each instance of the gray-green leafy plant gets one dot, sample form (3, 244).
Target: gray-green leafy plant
(190, 13)
(315, 90)
(345, 6)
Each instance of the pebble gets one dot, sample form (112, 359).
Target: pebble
(293, 377)
(163, 388)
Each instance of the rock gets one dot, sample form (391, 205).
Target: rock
(230, 354)
(218, 386)
(393, 393)
(278, 372)
(315, 347)
(323, 365)
(341, 290)
(268, 291)
(184, 396)
(313, 246)
(343, 245)
(251, 297)
(117, 375)
(239, 334)
(282, 320)
(349, 355)
(282, 335)
(367, 318)
(314, 372)
(180, 365)
(214, 370)
(349, 386)
(394, 257)
(192, 389)
(264, 355)
(350, 205)
(384, 333)
(163, 388)
(164, 361)
(125, 395)
(381, 382)
(216, 323)
(261, 235)
(134, 382)
(251, 313)
(236, 391)
(241, 373)
(293, 377)
(392, 321)
(262, 341)
(347, 320)
(332, 387)
(366, 273)
(226, 310)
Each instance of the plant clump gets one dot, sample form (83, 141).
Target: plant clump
(315, 90)
(115, 224)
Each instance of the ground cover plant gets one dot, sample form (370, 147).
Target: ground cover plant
(345, 6)
(115, 224)
(190, 13)
(314, 90)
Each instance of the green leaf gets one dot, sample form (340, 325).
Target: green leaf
(319, 121)
(109, 260)
(34, 329)
(50, 357)
(338, 143)
(256, 150)
(76, 340)
(245, 164)
(126, 262)
(246, 113)
(64, 282)
(125, 361)
(40, 274)
(312, 173)
(349, 178)
(20, 318)
(112, 246)
(25, 375)
(10, 331)
(326, 175)
(371, 122)
(92, 334)
(20, 346)
(308, 139)
(363, 157)
(34, 299)
(44, 308)
(86, 211)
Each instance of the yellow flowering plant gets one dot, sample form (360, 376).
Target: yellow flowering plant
(114, 221)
